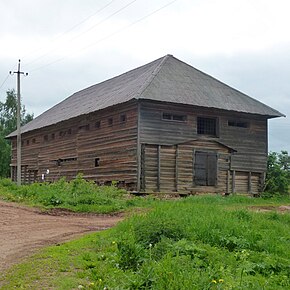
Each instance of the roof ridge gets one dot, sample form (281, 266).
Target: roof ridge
(152, 76)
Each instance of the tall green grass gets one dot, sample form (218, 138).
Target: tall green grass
(77, 195)
(206, 242)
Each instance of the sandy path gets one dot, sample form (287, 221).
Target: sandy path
(23, 229)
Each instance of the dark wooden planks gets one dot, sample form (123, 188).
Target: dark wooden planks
(72, 147)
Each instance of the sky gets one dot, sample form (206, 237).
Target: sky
(68, 45)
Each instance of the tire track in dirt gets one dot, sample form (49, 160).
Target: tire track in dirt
(23, 230)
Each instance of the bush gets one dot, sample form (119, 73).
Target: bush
(156, 226)
(278, 174)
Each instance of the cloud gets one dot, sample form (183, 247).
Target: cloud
(66, 46)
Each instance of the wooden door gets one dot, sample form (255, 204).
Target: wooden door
(205, 168)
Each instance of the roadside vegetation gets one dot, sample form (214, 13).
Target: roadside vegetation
(78, 195)
(200, 242)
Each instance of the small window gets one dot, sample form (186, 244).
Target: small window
(238, 124)
(166, 116)
(69, 131)
(98, 125)
(52, 136)
(174, 117)
(27, 142)
(61, 134)
(65, 160)
(123, 118)
(33, 141)
(110, 121)
(180, 118)
(84, 127)
(97, 162)
(45, 138)
(207, 126)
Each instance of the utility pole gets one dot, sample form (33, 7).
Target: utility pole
(18, 72)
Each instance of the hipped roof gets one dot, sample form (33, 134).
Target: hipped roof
(166, 79)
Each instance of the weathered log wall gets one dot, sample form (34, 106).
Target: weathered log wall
(248, 138)
(101, 145)
(168, 168)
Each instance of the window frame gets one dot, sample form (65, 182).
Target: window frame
(123, 118)
(238, 124)
(173, 117)
(110, 121)
(98, 124)
(207, 118)
(97, 162)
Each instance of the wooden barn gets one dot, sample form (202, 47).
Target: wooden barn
(162, 127)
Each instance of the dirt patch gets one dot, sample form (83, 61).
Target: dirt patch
(24, 229)
(265, 208)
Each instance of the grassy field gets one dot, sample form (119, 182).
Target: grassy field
(200, 242)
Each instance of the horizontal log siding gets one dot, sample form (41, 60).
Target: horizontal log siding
(250, 143)
(167, 169)
(247, 182)
(154, 130)
(77, 145)
(150, 169)
(177, 167)
(186, 166)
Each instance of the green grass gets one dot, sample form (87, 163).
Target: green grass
(78, 195)
(201, 242)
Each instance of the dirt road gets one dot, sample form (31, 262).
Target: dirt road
(23, 229)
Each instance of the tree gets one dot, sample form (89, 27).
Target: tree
(278, 173)
(8, 124)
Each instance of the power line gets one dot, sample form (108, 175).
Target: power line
(110, 35)
(105, 19)
(130, 25)
(6, 78)
(90, 16)
(84, 32)
(69, 30)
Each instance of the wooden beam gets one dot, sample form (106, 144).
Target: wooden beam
(193, 172)
(158, 167)
(228, 182)
(250, 182)
(233, 181)
(262, 181)
(143, 173)
(176, 168)
(138, 150)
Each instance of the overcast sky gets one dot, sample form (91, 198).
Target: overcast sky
(68, 45)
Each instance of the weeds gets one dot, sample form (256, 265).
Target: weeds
(77, 195)
(206, 242)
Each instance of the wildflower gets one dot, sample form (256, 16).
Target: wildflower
(100, 280)
(81, 287)
(221, 280)
(213, 281)
(113, 242)
(150, 245)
